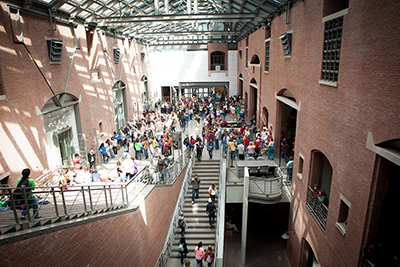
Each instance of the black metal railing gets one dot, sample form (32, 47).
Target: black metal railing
(317, 209)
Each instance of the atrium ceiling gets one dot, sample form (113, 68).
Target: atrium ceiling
(164, 22)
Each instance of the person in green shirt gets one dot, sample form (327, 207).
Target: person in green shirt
(25, 181)
(138, 150)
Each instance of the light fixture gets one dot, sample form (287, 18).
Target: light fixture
(286, 236)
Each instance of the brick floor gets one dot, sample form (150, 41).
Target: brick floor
(265, 247)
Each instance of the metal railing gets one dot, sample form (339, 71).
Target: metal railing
(220, 223)
(55, 204)
(366, 263)
(164, 256)
(317, 209)
(270, 188)
(163, 177)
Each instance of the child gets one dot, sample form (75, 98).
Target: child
(251, 150)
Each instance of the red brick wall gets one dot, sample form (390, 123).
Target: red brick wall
(333, 120)
(133, 239)
(21, 129)
(213, 47)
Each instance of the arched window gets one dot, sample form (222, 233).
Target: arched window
(319, 188)
(217, 60)
(255, 60)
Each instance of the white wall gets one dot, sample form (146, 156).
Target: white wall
(170, 68)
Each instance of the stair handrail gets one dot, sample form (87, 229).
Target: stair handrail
(164, 255)
(220, 225)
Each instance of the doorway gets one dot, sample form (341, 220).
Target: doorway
(288, 107)
(65, 145)
(119, 101)
(265, 117)
(308, 256)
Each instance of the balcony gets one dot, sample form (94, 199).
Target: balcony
(317, 210)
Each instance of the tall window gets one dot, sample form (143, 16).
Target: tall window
(240, 54)
(266, 68)
(247, 57)
(218, 60)
(331, 52)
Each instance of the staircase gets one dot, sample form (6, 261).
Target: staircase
(196, 218)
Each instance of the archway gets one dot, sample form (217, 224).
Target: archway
(246, 98)
(321, 177)
(308, 258)
(386, 182)
(253, 98)
(241, 85)
(119, 102)
(286, 128)
(63, 129)
(265, 117)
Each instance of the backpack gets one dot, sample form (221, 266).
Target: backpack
(181, 248)
(209, 260)
(181, 223)
(198, 257)
(19, 197)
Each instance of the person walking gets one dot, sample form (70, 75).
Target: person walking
(195, 188)
(210, 210)
(138, 149)
(29, 184)
(92, 159)
(199, 149)
(212, 191)
(182, 223)
(182, 248)
(160, 167)
(270, 150)
(199, 254)
(209, 256)
(232, 150)
(210, 148)
(289, 166)
(103, 152)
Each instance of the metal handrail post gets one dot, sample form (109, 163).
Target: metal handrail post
(122, 194)
(63, 201)
(126, 194)
(84, 199)
(90, 199)
(105, 196)
(27, 205)
(111, 201)
(11, 194)
(55, 201)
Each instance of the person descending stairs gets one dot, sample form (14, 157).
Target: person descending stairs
(197, 221)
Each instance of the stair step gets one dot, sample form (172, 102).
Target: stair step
(193, 242)
(195, 236)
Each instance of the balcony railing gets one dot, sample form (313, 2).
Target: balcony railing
(56, 204)
(266, 188)
(317, 209)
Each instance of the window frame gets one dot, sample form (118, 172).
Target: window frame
(266, 64)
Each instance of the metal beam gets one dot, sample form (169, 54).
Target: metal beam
(181, 17)
(189, 33)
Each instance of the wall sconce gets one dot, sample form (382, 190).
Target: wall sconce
(286, 236)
